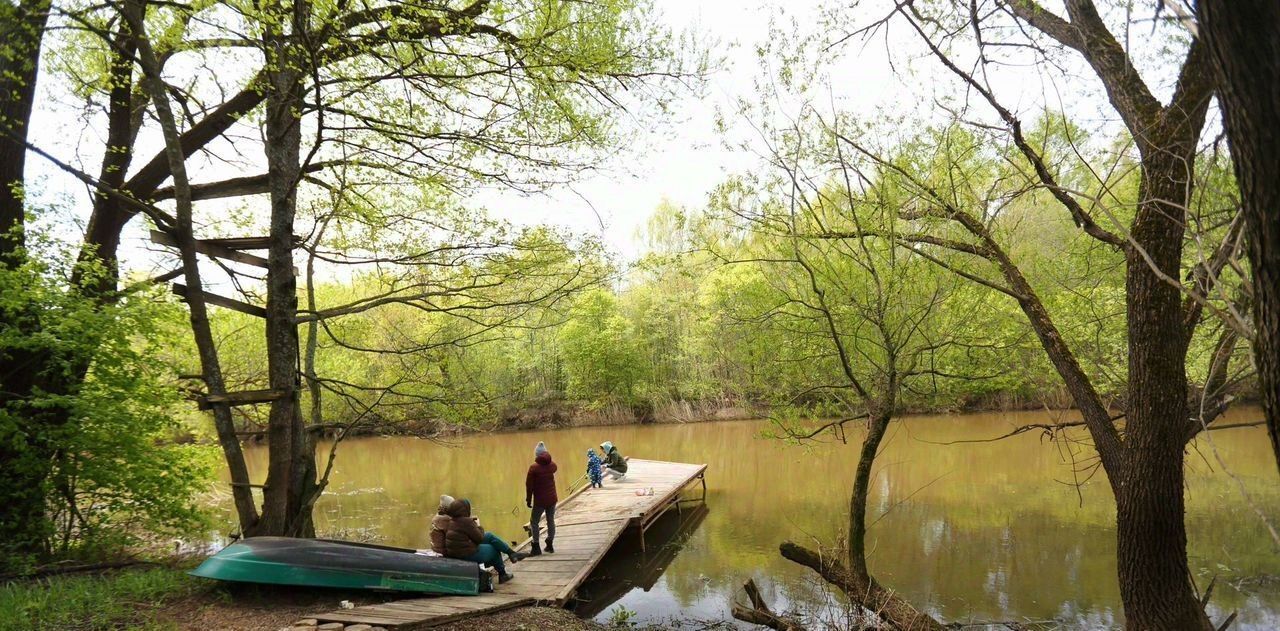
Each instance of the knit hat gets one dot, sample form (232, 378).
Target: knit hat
(606, 446)
(541, 448)
(445, 501)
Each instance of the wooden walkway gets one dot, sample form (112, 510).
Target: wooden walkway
(588, 524)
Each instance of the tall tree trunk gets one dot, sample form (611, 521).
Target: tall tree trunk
(24, 448)
(109, 217)
(134, 12)
(98, 270)
(876, 427)
(1145, 470)
(1155, 581)
(291, 470)
(857, 582)
(1244, 39)
(22, 28)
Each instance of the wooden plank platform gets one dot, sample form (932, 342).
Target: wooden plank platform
(589, 522)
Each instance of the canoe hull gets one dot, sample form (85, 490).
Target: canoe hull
(339, 564)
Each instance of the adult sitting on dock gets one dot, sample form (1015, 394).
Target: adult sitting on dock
(465, 539)
(615, 466)
(440, 525)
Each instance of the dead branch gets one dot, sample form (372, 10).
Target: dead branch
(58, 569)
(759, 612)
(1226, 624)
(837, 426)
(862, 591)
(1050, 431)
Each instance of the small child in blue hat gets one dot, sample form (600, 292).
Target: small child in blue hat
(595, 471)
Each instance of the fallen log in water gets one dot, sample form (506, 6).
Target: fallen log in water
(759, 612)
(863, 591)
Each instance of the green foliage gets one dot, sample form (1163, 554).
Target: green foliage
(102, 420)
(120, 476)
(622, 618)
(119, 600)
(462, 329)
(601, 353)
(719, 310)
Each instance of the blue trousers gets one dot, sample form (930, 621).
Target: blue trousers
(490, 552)
(497, 543)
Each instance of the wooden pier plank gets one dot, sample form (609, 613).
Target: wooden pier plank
(591, 523)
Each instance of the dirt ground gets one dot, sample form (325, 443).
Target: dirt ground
(234, 607)
(257, 608)
(527, 619)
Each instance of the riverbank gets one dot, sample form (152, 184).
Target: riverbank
(164, 597)
(564, 414)
(559, 414)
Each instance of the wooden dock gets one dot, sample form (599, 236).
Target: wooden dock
(589, 522)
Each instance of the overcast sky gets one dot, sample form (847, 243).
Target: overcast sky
(680, 161)
(868, 77)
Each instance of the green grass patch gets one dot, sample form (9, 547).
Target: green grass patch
(124, 599)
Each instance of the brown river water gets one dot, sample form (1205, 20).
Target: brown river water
(1002, 530)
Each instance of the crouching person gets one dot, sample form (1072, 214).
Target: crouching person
(615, 466)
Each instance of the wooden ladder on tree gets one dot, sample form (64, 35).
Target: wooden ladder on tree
(229, 249)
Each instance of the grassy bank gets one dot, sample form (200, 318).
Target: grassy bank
(131, 598)
(159, 597)
(165, 597)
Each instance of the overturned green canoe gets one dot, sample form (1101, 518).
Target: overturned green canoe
(340, 564)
